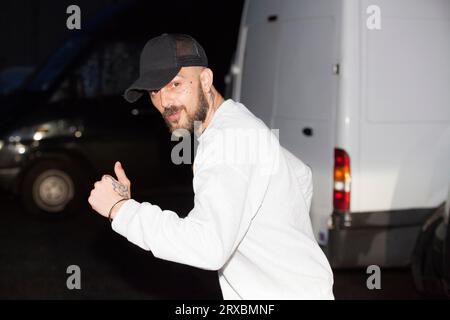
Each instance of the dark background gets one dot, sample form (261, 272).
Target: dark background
(32, 30)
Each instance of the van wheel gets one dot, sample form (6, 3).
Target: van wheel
(53, 188)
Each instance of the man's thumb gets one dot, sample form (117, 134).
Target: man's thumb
(120, 173)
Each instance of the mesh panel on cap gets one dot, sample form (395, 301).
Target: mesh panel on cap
(189, 52)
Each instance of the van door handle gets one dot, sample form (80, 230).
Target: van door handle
(308, 131)
(272, 18)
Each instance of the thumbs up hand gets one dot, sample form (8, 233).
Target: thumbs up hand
(124, 185)
(108, 191)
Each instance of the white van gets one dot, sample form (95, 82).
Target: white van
(360, 91)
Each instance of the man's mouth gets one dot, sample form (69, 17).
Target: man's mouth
(174, 116)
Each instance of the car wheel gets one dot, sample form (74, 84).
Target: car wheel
(53, 187)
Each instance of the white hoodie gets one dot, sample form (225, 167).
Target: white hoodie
(250, 219)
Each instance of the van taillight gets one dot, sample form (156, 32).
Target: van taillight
(342, 179)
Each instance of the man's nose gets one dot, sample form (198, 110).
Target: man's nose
(166, 98)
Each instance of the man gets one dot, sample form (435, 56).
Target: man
(250, 219)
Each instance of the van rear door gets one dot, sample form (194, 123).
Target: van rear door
(288, 81)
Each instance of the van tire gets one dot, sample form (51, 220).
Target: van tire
(53, 188)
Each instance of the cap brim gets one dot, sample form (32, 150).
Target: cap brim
(152, 80)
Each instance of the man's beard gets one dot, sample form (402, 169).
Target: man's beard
(192, 121)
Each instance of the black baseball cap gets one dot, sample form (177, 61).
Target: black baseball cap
(161, 60)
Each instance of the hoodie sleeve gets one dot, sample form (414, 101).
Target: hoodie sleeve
(208, 236)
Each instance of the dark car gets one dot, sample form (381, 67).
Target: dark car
(69, 123)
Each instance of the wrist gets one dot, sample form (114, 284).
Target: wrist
(115, 209)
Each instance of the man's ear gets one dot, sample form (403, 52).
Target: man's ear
(206, 79)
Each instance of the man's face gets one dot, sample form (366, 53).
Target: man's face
(182, 101)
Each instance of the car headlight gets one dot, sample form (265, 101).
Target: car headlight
(30, 133)
(1, 144)
(51, 129)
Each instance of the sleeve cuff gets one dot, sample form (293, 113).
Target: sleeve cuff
(124, 215)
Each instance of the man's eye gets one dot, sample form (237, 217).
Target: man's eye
(175, 84)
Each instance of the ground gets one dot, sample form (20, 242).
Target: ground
(35, 255)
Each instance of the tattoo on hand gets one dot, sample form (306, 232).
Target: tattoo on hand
(120, 188)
